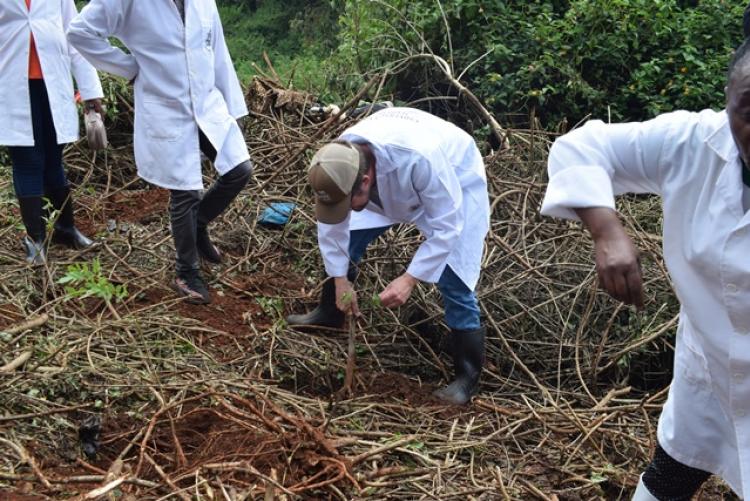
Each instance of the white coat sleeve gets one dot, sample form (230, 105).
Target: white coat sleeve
(589, 166)
(85, 75)
(333, 240)
(440, 194)
(225, 75)
(88, 33)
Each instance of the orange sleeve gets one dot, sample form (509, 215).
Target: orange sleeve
(35, 67)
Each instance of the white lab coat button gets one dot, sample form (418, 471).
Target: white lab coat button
(731, 288)
(739, 413)
(737, 377)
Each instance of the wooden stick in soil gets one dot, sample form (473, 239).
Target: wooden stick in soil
(351, 356)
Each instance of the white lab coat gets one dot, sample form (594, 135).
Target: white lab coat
(430, 173)
(47, 20)
(691, 160)
(184, 81)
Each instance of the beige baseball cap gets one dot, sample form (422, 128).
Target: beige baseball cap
(332, 174)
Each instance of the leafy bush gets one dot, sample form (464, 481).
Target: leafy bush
(297, 35)
(82, 281)
(628, 59)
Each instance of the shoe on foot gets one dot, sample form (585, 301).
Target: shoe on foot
(35, 254)
(206, 248)
(468, 360)
(71, 237)
(325, 314)
(65, 231)
(192, 286)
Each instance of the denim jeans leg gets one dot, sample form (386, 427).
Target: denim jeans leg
(54, 172)
(460, 302)
(29, 161)
(360, 239)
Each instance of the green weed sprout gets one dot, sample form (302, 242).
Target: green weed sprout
(82, 281)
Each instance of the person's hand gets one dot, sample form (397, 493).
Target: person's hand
(619, 268)
(617, 262)
(346, 296)
(94, 104)
(397, 292)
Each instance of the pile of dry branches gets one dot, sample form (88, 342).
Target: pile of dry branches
(226, 402)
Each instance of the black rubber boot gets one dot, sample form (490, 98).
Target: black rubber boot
(468, 359)
(214, 202)
(33, 242)
(190, 284)
(206, 249)
(65, 231)
(326, 314)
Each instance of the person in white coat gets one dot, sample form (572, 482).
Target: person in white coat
(403, 165)
(187, 100)
(39, 111)
(698, 163)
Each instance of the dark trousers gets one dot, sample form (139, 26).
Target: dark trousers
(190, 210)
(38, 169)
(669, 480)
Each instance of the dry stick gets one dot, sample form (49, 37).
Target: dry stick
(100, 491)
(517, 360)
(152, 425)
(28, 324)
(384, 448)
(500, 134)
(333, 120)
(351, 357)
(664, 328)
(115, 471)
(26, 458)
(79, 479)
(166, 478)
(16, 363)
(61, 410)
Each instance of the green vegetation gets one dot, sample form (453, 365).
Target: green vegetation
(297, 35)
(555, 59)
(82, 281)
(628, 59)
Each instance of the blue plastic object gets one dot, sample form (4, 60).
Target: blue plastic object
(277, 213)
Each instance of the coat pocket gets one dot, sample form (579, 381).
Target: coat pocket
(160, 121)
(690, 362)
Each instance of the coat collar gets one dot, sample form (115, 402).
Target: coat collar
(720, 138)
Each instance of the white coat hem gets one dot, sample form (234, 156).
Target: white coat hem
(62, 140)
(688, 460)
(169, 186)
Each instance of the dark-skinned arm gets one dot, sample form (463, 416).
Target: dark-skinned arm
(617, 263)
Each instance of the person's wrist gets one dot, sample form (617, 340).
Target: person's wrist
(602, 222)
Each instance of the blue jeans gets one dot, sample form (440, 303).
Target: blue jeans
(460, 302)
(38, 168)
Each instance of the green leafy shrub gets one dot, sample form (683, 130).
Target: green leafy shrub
(297, 35)
(624, 59)
(82, 281)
